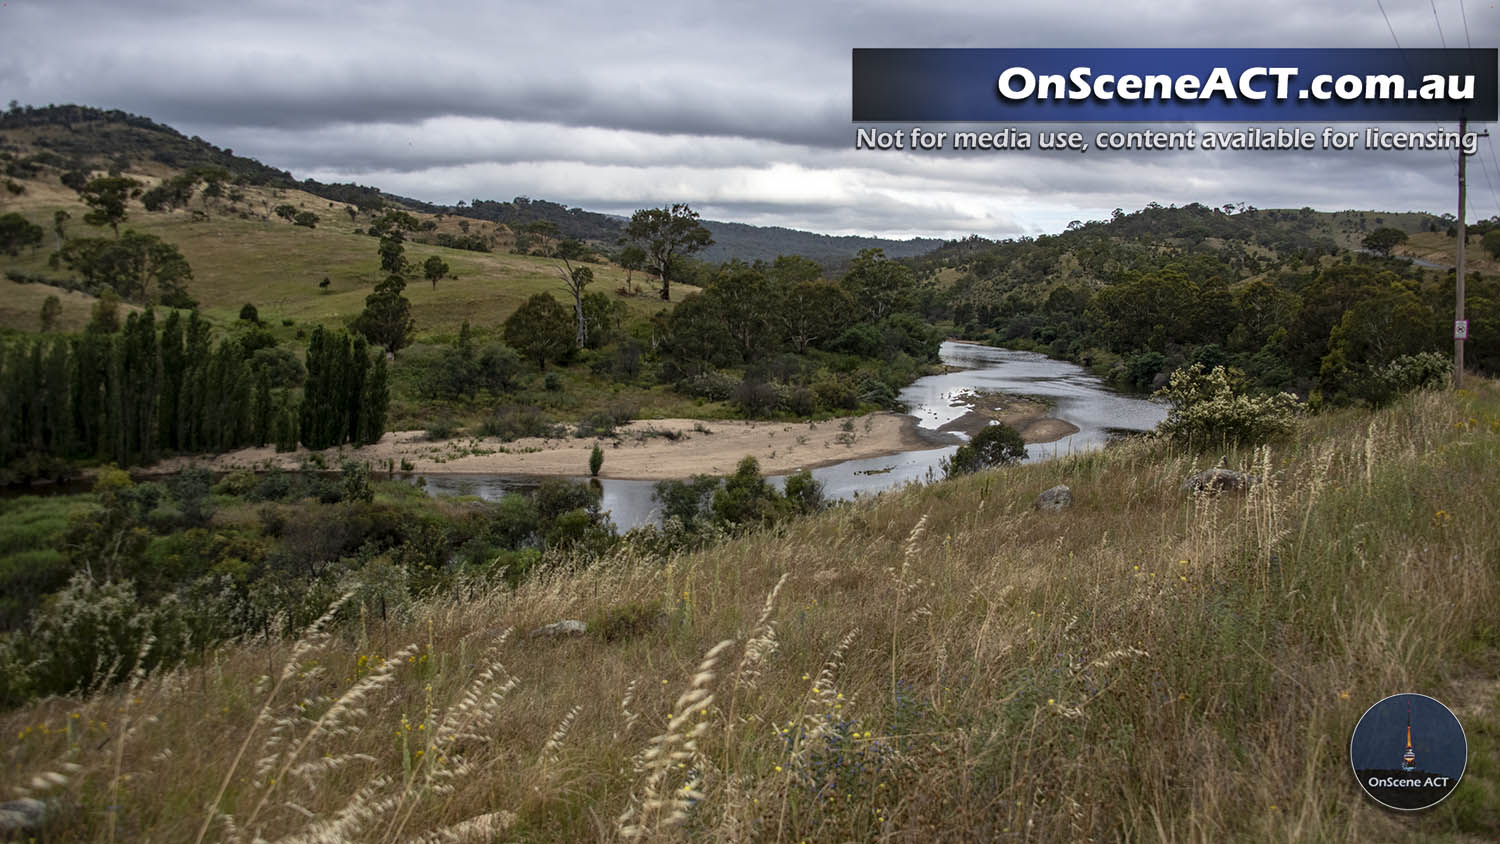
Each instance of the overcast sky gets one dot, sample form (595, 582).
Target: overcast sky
(740, 109)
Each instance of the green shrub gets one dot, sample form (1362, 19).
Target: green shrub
(515, 521)
(354, 481)
(379, 590)
(513, 423)
(600, 424)
(1211, 409)
(804, 492)
(1140, 370)
(835, 394)
(274, 485)
(714, 386)
(685, 501)
(86, 636)
(442, 429)
(756, 398)
(996, 445)
(747, 498)
(190, 490)
(1405, 374)
(239, 484)
(25, 578)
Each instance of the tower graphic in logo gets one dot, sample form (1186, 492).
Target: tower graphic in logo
(1395, 780)
(1409, 758)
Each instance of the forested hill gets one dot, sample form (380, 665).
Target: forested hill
(80, 137)
(738, 240)
(1294, 299)
(1189, 229)
(731, 240)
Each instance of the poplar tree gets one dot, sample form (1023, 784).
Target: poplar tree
(263, 412)
(314, 392)
(373, 403)
(90, 371)
(57, 417)
(354, 390)
(173, 368)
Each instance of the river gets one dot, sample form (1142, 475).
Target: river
(1077, 397)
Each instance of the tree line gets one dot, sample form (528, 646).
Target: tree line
(1145, 294)
(131, 394)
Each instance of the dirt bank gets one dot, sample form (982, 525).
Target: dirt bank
(653, 449)
(646, 449)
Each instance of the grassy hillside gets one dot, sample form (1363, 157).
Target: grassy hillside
(262, 259)
(941, 663)
(1439, 248)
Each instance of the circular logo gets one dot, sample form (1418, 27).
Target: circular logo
(1408, 752)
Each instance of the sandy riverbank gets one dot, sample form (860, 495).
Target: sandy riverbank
(648, 449)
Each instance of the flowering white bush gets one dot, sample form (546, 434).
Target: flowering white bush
(1212, 408)
(1424, 371)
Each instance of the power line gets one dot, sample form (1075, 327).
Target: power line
(1451, 159)
(1489, 143)
(1464, 202)
(1388, 23)
(1495, 197)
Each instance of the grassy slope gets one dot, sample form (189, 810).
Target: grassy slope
(1348, 228)
(1439, 248)
(277, 266)
(938, 663)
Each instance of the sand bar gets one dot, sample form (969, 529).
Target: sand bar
(647, 449)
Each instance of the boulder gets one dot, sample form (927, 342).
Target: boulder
(1056, 498)
(22, 816)
(566, 627)
(1219, 480)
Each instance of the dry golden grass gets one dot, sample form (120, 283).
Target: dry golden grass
(276, 266)
(21, 307)
(940, 663)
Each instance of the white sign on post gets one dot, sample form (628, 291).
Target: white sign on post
(1460, 329)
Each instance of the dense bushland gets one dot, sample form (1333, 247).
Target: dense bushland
(1264, 292)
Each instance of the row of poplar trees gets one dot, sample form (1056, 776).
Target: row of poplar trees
(134, 395)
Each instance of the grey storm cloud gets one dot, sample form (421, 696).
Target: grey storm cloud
(741, 109)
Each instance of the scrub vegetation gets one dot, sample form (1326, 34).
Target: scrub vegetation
(939, 662)
(331, 654)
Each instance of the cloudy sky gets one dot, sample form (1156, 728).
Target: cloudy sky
(740, 109)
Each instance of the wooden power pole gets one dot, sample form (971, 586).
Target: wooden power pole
(1460, 325)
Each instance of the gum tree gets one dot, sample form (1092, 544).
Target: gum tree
(664, 234)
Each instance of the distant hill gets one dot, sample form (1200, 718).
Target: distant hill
(1104, 251)
(738, 240)
(731, 240)
(81, 137)
(1195, 226)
